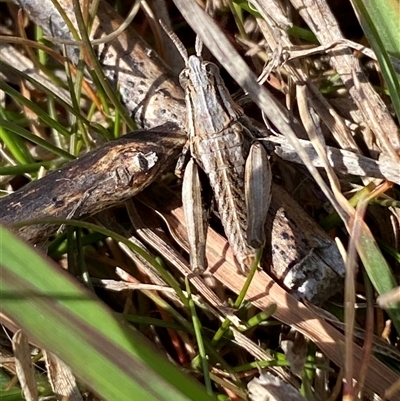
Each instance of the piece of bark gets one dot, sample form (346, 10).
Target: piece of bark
(102, 178)
(300, 253)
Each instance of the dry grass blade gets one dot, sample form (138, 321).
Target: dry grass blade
(319, 18)
(61, 378)
(9, 54)
(291, 236)
(23, 364)
(149, 233)
(342, 161)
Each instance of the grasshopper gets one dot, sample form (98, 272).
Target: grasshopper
(221, 140)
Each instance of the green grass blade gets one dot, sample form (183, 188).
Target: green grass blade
(378, 271)
(15, 145)
(35, 139)
(68, 320)
(75, 111)
(380, 22)
(35, 108)
(24, 168)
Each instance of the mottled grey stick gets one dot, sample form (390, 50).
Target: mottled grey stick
(105, 177)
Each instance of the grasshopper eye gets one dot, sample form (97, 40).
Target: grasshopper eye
(211, 68)
(184, 78)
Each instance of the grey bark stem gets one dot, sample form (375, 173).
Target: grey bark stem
(105, 177)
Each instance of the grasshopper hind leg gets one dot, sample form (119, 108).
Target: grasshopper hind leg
(258, 181)
(196, 216)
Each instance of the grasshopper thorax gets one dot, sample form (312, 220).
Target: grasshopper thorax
(198, 73)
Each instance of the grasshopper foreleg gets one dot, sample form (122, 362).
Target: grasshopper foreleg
(182, 159)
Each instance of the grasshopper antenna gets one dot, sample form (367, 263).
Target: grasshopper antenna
(198, 46)
(175, 40)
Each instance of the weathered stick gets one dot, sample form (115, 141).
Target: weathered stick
(103, 178)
